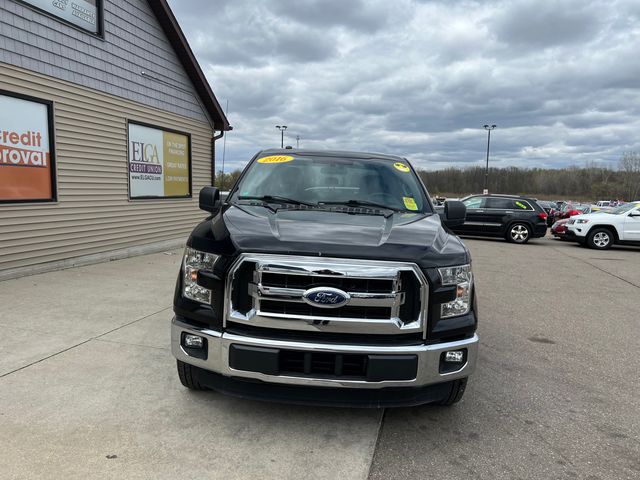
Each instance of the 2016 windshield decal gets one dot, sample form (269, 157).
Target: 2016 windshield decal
(276, 159)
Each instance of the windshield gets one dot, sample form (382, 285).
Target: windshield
(622, 209)
(315, 180)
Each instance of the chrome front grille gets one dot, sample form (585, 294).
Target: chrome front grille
(384, 297)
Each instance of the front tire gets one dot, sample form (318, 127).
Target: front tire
(188, 376)
(600, 238)
(518, 233)
(457, 391)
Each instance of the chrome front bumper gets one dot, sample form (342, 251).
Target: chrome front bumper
(218, 344)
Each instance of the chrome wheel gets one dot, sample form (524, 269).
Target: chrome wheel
(519, 233)
(601, 239)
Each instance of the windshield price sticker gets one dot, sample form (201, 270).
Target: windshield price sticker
(275, 159)
(410, 203)
(401, 166)
(521, 205)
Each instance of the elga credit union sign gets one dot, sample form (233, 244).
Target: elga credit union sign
(26, 160)
(159, 163)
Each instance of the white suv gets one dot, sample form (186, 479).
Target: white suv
(603, 229)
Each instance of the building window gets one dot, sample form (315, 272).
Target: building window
(27, 157)
(84, 14)
(159, 162)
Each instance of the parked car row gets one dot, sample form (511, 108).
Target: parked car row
(519, 218)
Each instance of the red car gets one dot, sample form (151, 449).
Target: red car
(559, 228)
(569, 210)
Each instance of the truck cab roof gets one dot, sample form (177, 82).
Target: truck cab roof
(331, 153)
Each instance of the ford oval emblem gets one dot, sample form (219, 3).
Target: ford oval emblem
(326, 297)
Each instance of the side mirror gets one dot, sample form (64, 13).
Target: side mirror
(455, 213)
(209, 199)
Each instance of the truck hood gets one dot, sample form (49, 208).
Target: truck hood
(407, 237)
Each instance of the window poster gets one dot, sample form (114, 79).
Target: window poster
(26, 158)
(81, 13)
(159, 163)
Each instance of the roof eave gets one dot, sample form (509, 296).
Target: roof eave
(179, 43)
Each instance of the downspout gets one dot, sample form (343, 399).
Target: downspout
(213, 155)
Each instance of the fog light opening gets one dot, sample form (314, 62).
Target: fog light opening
(452, 361)
(192, 341)
(454, 356)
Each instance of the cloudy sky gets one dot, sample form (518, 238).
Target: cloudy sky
(561, 79)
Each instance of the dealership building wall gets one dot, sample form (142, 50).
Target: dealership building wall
(97, 86)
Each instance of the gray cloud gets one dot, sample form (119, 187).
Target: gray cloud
(538, 24)
(355, 14)
(420, 79)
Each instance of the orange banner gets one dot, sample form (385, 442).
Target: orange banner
(24, 174)
(25, 158)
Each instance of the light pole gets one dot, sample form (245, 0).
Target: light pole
(488, 128)
(297, 141)
(282, 129)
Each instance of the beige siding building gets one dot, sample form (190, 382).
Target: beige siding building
(103, 150)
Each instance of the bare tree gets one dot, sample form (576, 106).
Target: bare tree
(591, 183)
(630, 166)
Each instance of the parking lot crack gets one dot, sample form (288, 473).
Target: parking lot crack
(45, 358)
(130, 323)
(377, 442)
(130, 343)
(96, 337)
(598, 268)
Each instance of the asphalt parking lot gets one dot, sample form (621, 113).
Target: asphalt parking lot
(88, 387)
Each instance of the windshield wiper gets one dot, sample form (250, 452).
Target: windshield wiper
(276, 199)
(360, 203)
(363, 203)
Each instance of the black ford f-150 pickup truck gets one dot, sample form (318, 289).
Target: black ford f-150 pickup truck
(326, 278)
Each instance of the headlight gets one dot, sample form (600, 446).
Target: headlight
(194, 261)
(582, 220)
(462, 278)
